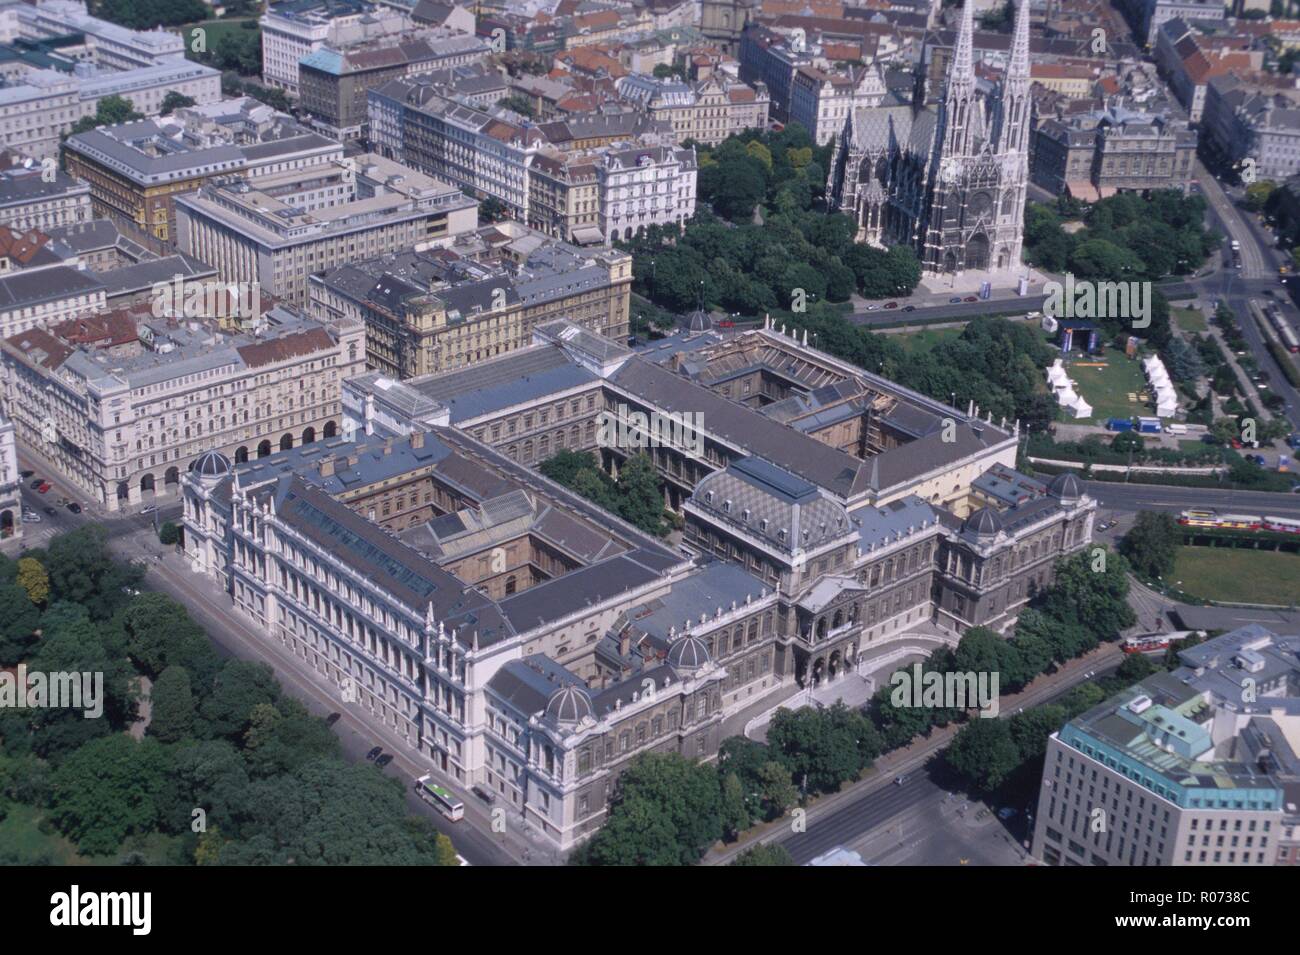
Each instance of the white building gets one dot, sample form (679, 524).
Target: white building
(292, 30)
(641, 186)
(11, 498)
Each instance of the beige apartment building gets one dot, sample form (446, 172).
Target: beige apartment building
(283, 228)
(428, 311)
(707, 111)
(124, 402)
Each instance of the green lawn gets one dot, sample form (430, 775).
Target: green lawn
(925, 338)
(1190, 320)
(1107, 388)
(1238, 574)
(20, 835)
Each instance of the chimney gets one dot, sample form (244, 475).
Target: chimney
(388, 446)
(417, 439)
(327, 468)
(624, 643)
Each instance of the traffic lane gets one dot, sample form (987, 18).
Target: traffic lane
(962, 311)
(882, 802)
(1164, 497)
(233, 637)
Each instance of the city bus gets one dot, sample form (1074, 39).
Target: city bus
(440, 798)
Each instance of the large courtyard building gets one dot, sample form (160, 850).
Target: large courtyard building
(1195, 767)
(123, 402)
(706, 111)
(524, 640)
(280, 229)
(481, 296)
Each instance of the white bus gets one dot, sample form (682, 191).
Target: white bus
(440, 798)
(1175, 429)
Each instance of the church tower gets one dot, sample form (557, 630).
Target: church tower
(979, 169)
(723, 21)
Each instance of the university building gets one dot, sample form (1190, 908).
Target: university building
(522, 639)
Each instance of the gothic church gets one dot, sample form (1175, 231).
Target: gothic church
(948, 179)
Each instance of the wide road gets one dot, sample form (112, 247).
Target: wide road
(1162, 497)
(884, 799)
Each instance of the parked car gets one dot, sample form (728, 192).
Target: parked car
(872, 307)
(909, 308)
(971, 298)
(891, 305)
(332, 719)
(484, 793)
(37, 483)
(899, 780)
(49, 511)
(26, 474)
(384, 760)
(148, 509)
(42, 489)
(30, 518)
(74, 507)
(1005, 814)
(374, 753)
(955, 300)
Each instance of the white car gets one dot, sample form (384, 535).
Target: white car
(30, 518)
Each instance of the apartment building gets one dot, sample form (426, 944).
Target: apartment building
(481, 296)
(333, 84)
(297, 28)
(124, 402)
(641, 186)
(11, 487)
(822, 100)
(772, 59)
(136, 170)
(280, 229)
(34, 298)
(38, 111)
(1253, 122)
(111, 46)
(706, 111)
(37, 197)
(1094, 155)
(1188, 60)
(1193, 767)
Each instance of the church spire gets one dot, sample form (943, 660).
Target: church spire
(1015, 89)
(960, 109)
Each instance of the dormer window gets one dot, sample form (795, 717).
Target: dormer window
(726, 505)
(744, 515)
(780, 535)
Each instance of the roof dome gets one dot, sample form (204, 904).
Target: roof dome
(1066, 487)
(569, 704)
(699, 321)
(688, 653)
(211, 464)
(985, 522)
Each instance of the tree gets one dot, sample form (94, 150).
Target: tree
(769, 855)
(1031, 729)
(983, 753)
(172, 706)
(1091, 590)
(819, 748)
(775, 789)
(169, 534)
(735, 814)
(33, 579)
(666, 811)
(1151, 544)
(19, 618)
(109, 111)
(174, 101)
(107, 790)
(1128, 441)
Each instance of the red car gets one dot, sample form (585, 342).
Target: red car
(43, 488)
(891, 305)
(726, 323)
(970, 298)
